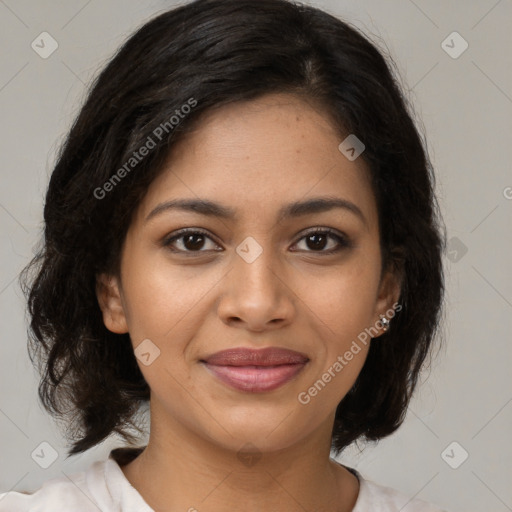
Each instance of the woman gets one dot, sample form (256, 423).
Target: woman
(240, 229)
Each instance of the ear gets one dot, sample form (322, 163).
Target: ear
(110, 302)
(387, 298)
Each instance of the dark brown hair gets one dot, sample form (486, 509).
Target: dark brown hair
(217, 52)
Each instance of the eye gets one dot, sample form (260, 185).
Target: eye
(190, 240)
(196, 240)
(318, 239)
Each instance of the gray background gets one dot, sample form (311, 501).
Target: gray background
(466, 107)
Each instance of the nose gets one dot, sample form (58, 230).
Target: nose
(256, 296)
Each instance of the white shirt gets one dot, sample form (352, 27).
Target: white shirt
(103, 487)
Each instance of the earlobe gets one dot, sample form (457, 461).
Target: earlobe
(387, 301)
(109, 299)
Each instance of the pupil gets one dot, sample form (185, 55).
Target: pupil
(317, 236)
(196, 241)
(191, 245)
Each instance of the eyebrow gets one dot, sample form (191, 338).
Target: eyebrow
(295, 209)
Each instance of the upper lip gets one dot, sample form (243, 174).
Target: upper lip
(270, 356)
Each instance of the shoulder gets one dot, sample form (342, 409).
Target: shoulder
(378, 498)
(102, 486)
(77, 491)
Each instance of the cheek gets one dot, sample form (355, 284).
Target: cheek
(344, 299)
(343, 308)
(162, 297)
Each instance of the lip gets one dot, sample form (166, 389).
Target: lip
(269, 356)
(253, 370)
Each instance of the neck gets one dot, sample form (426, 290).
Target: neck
(180, 471)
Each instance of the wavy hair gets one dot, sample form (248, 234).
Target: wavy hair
(220, 52)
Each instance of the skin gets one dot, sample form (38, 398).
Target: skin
(253, 157)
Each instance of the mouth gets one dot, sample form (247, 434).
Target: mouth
(255, 371)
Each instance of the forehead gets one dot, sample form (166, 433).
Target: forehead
(256, 155)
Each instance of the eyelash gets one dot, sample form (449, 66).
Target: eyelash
(343, 241)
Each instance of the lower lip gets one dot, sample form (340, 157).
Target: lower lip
(255, 379)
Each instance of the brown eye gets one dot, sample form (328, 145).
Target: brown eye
(317, 241)
(321, 239)
(193, 242)
(190, 241)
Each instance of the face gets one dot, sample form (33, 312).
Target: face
(194, 282)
